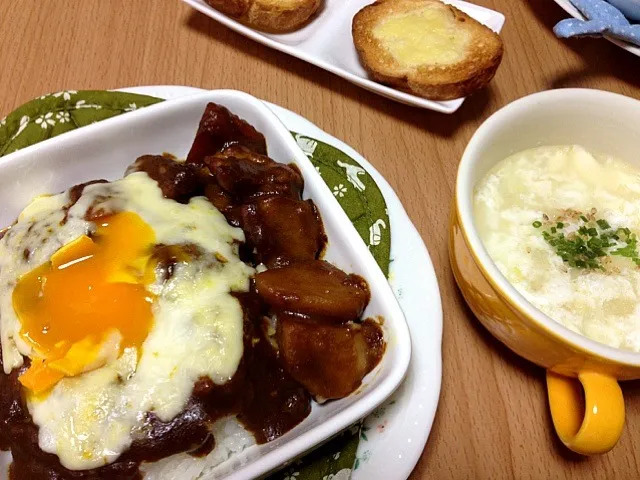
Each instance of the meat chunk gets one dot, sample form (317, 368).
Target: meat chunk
(218, 129)
(185, 432)
(178, 181)
(240, 152)
(246, 176)
(223, 202)
(329, 360)
(283, 230)
(314, 289)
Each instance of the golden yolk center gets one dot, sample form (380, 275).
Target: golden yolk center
(88, 302)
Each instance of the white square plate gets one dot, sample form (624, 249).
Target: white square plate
(326, 42)
(105, 149)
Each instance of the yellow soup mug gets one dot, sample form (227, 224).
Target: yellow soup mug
(585, 399)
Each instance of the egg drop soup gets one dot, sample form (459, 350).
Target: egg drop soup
(560, 223)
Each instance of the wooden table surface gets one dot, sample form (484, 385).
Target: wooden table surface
(492, 421)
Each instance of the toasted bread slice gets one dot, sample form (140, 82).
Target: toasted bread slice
(269, 15)
(426, 47)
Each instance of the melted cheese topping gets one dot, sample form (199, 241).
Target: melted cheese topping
(427, 37)
(604, 306)
(90, 419)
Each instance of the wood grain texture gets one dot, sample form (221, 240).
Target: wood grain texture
(492, 422)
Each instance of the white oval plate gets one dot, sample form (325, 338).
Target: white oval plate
(52, 165)
(568, 7)
(398, 431)
(326, 42)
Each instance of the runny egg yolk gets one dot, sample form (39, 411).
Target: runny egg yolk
(88, 302)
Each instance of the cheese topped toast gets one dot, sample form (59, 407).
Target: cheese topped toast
(426, 47)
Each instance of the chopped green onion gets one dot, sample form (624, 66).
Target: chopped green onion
(593, 240)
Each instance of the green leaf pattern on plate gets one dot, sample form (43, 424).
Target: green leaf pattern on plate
(357, 193)
(355, 190)
(56, 113)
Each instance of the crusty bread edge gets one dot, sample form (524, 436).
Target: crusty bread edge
(411, 82)
(268, 17)
(442, 92)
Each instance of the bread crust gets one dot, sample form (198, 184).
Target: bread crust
(269, 15)
(435, 82)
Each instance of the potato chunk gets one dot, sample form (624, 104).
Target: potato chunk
(315, 289)
(330, 360)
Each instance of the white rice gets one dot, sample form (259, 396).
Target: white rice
(231, 439)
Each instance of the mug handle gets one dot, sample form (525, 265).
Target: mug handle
(589, 423)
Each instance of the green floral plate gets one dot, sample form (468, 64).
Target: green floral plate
(388, 443)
